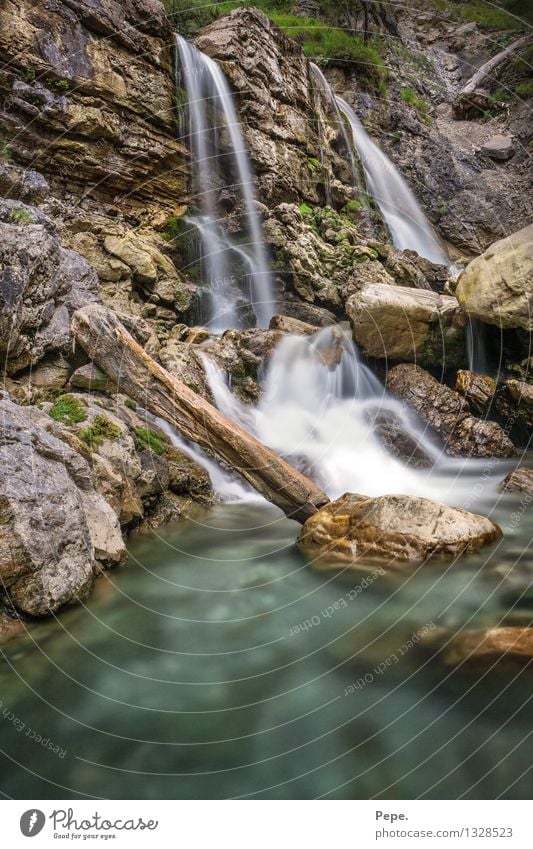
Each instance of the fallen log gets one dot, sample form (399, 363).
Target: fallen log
(468, 98)
(114, 351)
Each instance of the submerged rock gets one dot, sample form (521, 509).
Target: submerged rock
(448, 413)
(507, 646)
(394, 529)
(412, 325)
(496, 286)
(519, 480)
(53, 524)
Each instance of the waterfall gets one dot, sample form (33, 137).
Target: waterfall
(332, 100)
(407, 224)
(326, 412)
(232, 271)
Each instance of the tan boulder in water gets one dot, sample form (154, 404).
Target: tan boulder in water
(497, 287)
(409, 325)
(394, 529)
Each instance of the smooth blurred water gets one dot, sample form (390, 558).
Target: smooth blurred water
(188, 675)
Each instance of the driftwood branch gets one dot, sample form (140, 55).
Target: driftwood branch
(486, 70)
(112, 348)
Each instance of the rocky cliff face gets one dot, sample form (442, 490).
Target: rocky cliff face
(87, 99)
(289, 129)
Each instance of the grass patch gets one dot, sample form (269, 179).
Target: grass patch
(148, 440)
(410, 96)
(21, 216)
(102, 428)
(68, 410)
(305, 209)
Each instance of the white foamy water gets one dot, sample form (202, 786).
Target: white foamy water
(321, 409)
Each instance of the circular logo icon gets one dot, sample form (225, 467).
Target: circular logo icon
(32, 822)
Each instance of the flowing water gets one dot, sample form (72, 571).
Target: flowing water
(219, 663)
(407, 224)
(230, 269)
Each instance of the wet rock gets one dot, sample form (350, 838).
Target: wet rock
(291, 325)
(496, 286)
(519, 480)
(53, 524)
(187, 478)
(500, 148)
(393, 528)
(242, 354)
(407, 324)
(506, 646)
(397, 440)
(479, 390)
(184, 361)
(448, 414)
(294, 307)
(289, 127)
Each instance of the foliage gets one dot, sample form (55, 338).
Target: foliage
(5, 150)
(130, 404)
(21, 216)
(102, 428)
(149, 440)
(305, 209)
(410, 96)
(68, 410)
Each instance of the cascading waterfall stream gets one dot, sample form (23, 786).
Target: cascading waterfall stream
(229, 268)
(322, 409)
(408, 226)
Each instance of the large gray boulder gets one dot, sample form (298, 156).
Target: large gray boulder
(53, 524)
(394, 529)
(497, 287)
(410, 325)
(41, 285)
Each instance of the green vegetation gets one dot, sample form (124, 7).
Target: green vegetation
(130, 404)
(305, 209)
(68, 410)
(5, 150)
(410, 96)
(102, 428)
(524, 89)
(313, 163)
(149, 440)
(21, 216)
(59, 85)
(29, 75)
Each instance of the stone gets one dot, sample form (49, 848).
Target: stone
(407, 324)
(288, 124)
(41, 285)
(53, 524)
(396, 529)
(519, 480)
(448, 413)
(506, 646)
(496, 287)
(479, 390)
(501, 148)
(92, 105)
(291, 325)
(91, 378)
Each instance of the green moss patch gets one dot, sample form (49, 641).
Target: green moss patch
(102, 428)
(149, 440)
(68, 410)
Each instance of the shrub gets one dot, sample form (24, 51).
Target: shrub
(102, 428)
(68, 410)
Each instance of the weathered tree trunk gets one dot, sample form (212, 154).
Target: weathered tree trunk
(111, 347)
(466, 99)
